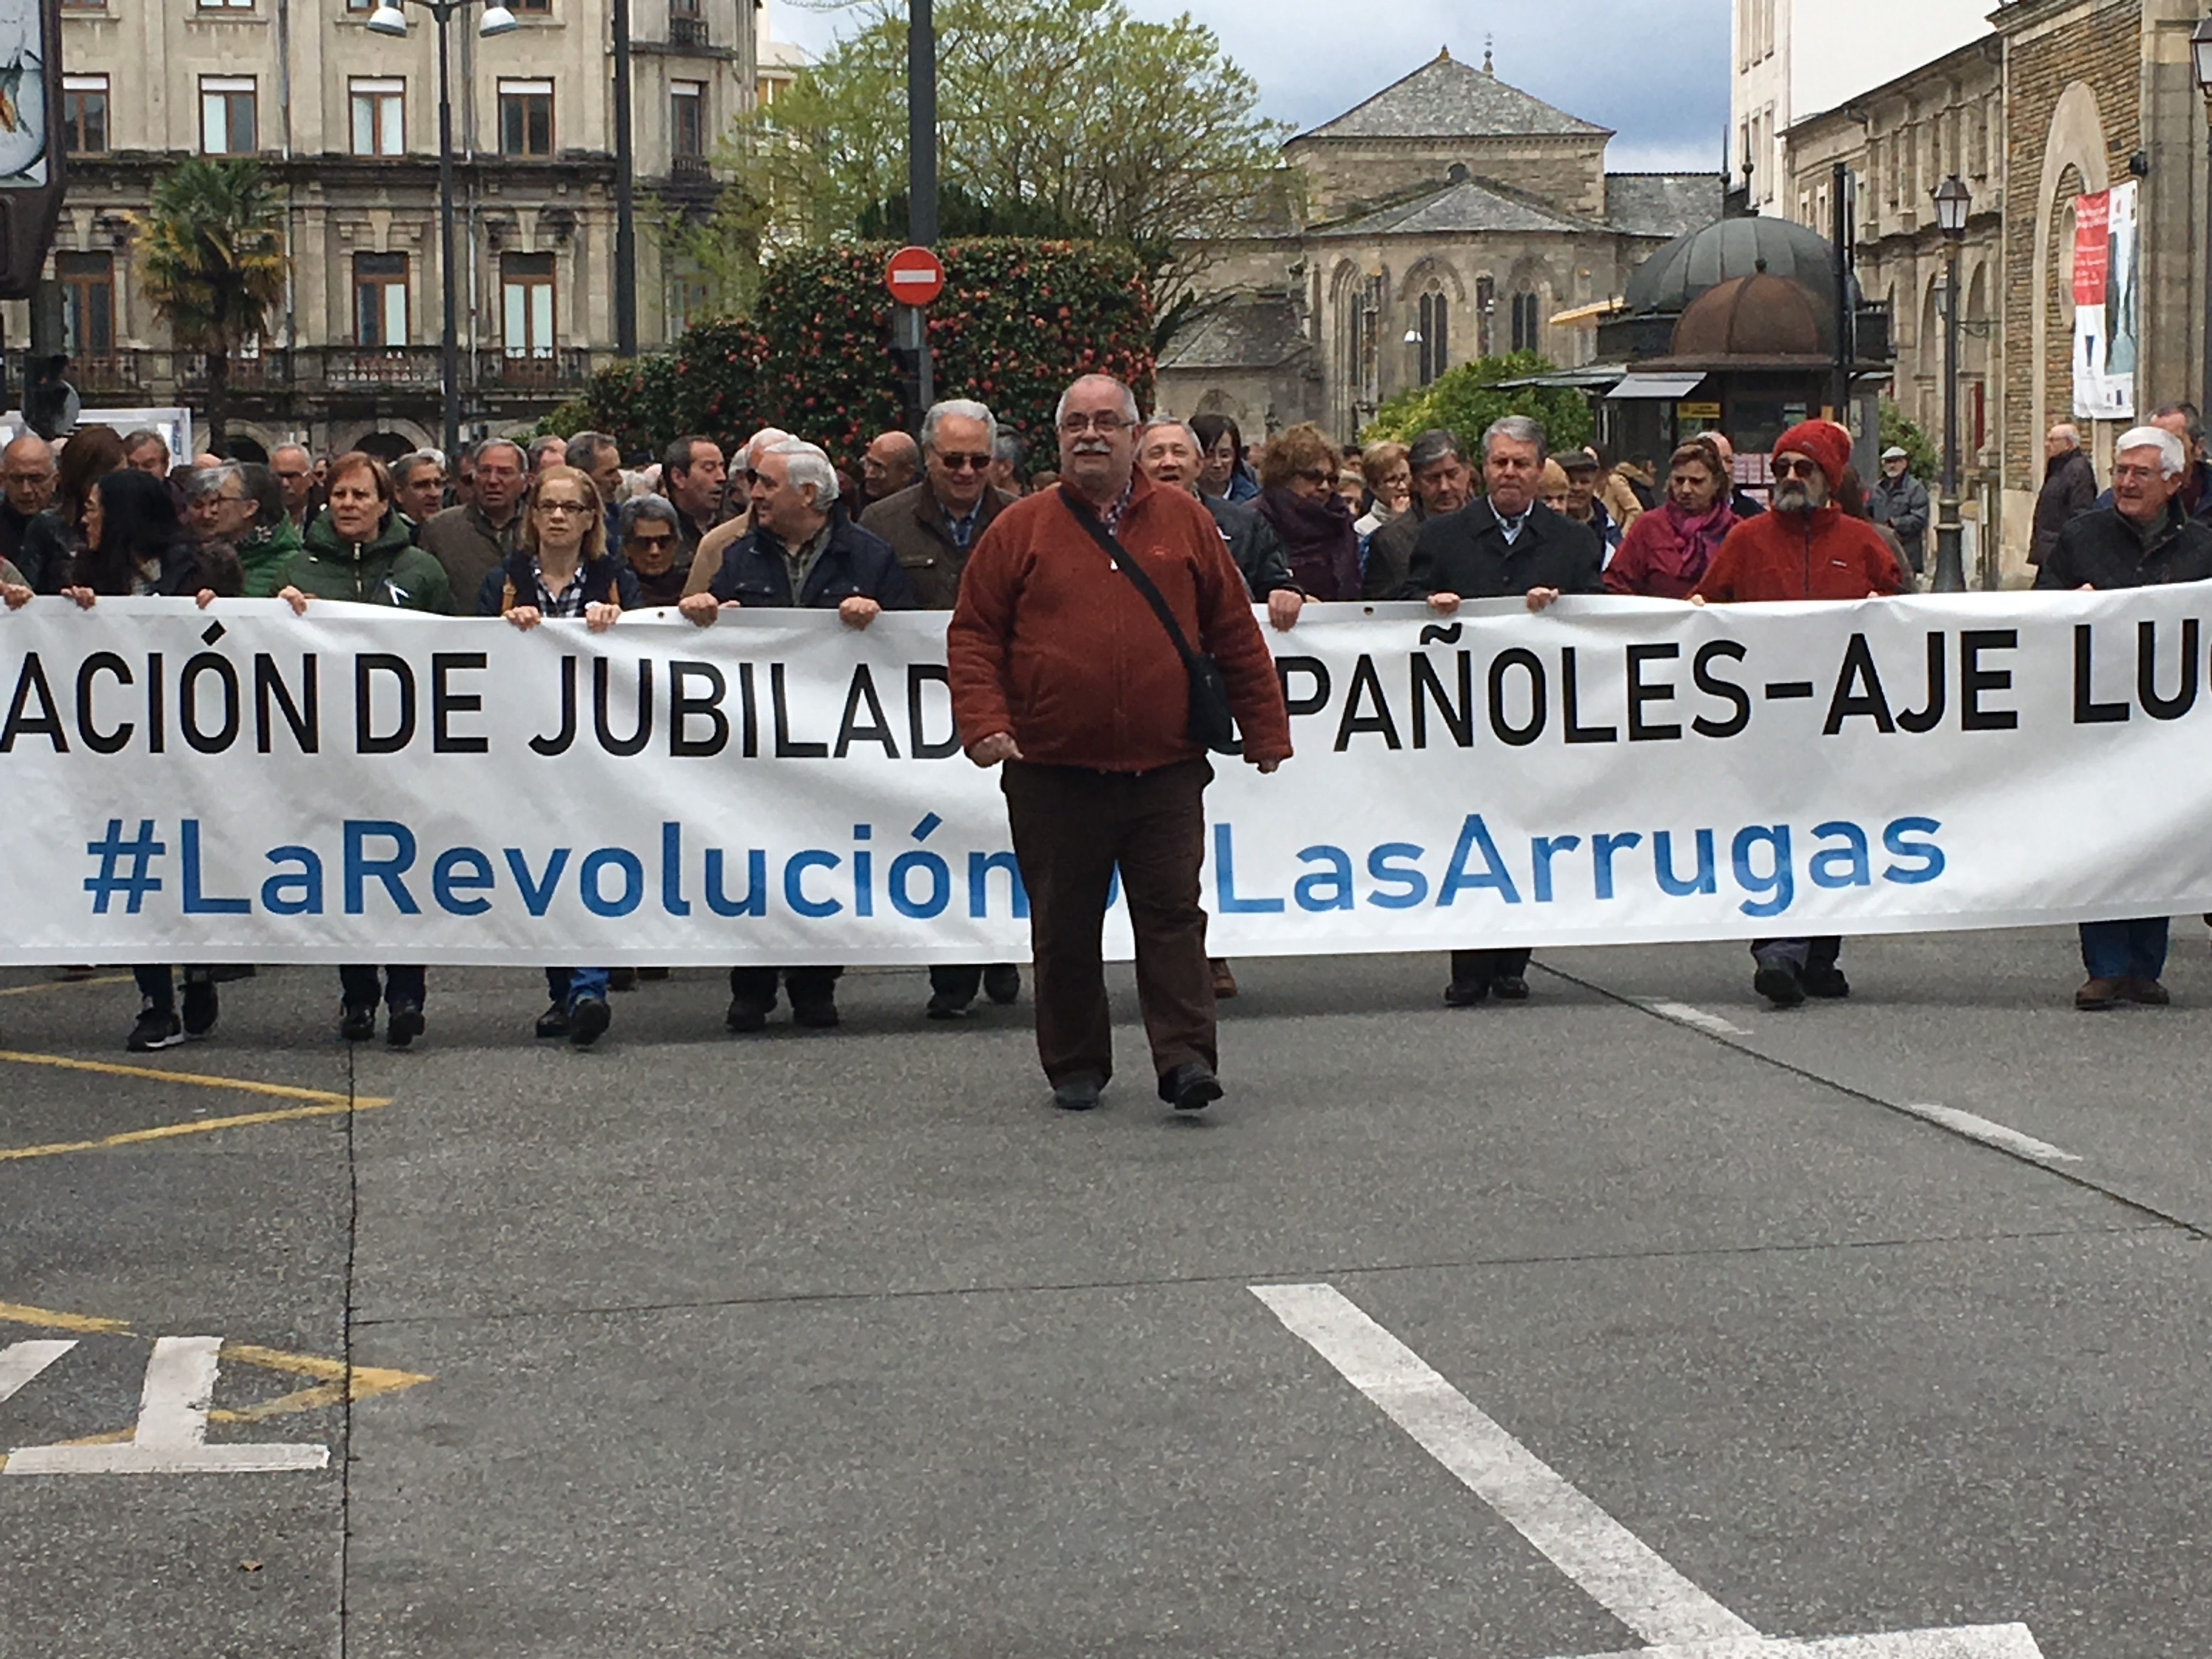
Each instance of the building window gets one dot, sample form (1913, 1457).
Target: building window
(226, 5)
(1526, 322)
(525, 282)
(84, 114)
(87, 282)
(228, 124)
(533, 8)
(380, 118)
(525, 117)
(687, 119)
(380, 298)
(84, 5)
(1435, 352)
(689, 297)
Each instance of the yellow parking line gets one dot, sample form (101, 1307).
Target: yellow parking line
(14, 1313)
(63, 985)
(197, 1127)
(198, 1079)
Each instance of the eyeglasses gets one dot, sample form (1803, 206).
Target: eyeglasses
(1105, 425)
(25, 477)
(964, 463)
(1314, 475)
(1796, 469)
(564, 507)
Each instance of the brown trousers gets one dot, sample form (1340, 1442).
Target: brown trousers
(1072, 827)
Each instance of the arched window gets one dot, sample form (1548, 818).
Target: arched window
(1527, 321)
(1435, 341)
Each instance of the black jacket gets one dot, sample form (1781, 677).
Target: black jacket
(1253, 544)
(607, 581)
(2069, 489)
(1466, 553)
(1390, 554)
(755, 572)
(2101, 550)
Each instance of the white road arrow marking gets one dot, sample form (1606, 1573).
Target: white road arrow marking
(171, 1438)
(21, 1361)
(1615, 1568)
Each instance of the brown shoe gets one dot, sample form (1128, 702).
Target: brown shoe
(2098, 994)
(1224, 982)
(2148, 992)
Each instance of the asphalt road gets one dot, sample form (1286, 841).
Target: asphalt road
(835, 1344)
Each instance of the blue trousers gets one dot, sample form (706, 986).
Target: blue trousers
(2124, 950)
(570, 986)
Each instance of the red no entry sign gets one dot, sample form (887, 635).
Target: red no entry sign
(914, 276)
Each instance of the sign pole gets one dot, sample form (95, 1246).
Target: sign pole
(921, 176)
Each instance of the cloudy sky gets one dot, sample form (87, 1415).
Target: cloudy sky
(1662, 86)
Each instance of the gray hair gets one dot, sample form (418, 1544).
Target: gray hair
(2193, 420)
(207, 480)
(1436, 444)
(588, 444)
(413, 462)
(1514, 428)
(960, 408)
(1008, 448)
(638, 509)
(2172, 458)
(142, 437)
(809, 464)
(521, 456)
(1161, 422)
(1128, 398)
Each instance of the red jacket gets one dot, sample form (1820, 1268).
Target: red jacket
(1820, 555)
(1052, 643)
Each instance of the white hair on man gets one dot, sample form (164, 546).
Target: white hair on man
(1515, 428)
(1168, 423)
(808, 463)
(2172, 458)
(1128, 397)
(759, 445)
(959, 409)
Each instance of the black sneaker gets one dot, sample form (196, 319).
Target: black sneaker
(358, 1024)
(1002, 983)
(587, 1021)
(1191, 1087)
(554, 1021)
(746, 1015)
(621, 978)
(1466, 992)
(200, 1008)
(1825, 982)
(1778, 983)
(1078, 1094)
(942, 1004)
(820, 1013)
(157, 1028)
(403, 1025)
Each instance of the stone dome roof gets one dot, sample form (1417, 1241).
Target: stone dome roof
(1701, 260)
(1761, 315)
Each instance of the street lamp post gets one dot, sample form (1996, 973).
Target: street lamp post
(497, 19)
(1953, 201)
(2200, 54)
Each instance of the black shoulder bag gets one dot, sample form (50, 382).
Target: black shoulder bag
(1212, 726)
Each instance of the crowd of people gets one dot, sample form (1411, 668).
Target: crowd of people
(1094, 724)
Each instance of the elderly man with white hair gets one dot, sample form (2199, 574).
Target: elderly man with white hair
(2143, 538)
(706, 559)
(802, 551)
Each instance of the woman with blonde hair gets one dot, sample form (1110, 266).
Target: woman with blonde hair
(1299, 500)
(1390, 477)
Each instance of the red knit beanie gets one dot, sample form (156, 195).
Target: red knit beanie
(1828, 444)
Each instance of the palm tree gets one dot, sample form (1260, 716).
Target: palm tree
(213, 258)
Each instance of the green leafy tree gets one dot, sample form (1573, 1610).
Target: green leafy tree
(1898, 428)
(1056, 116)
(719, 245)
(211, 252)
(1467, 399)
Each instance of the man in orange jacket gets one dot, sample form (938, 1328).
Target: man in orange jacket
(1804, 548)
(1061, 671)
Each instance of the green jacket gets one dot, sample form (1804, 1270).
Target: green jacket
(389, 570)
(265, 560)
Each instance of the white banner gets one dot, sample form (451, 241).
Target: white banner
(240, 785)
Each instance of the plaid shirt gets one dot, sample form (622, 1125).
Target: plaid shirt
(569, 602)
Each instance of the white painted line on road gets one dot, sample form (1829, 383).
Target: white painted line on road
(21, 1361)
(1610, 1564)
(171, 1438)
(1968, 1642)
(1993, 1135)
(1683, 1014)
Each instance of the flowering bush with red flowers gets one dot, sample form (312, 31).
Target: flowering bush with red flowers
(1019, 319)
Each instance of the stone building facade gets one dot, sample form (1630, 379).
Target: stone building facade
(1448, 217)
(346, 122)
